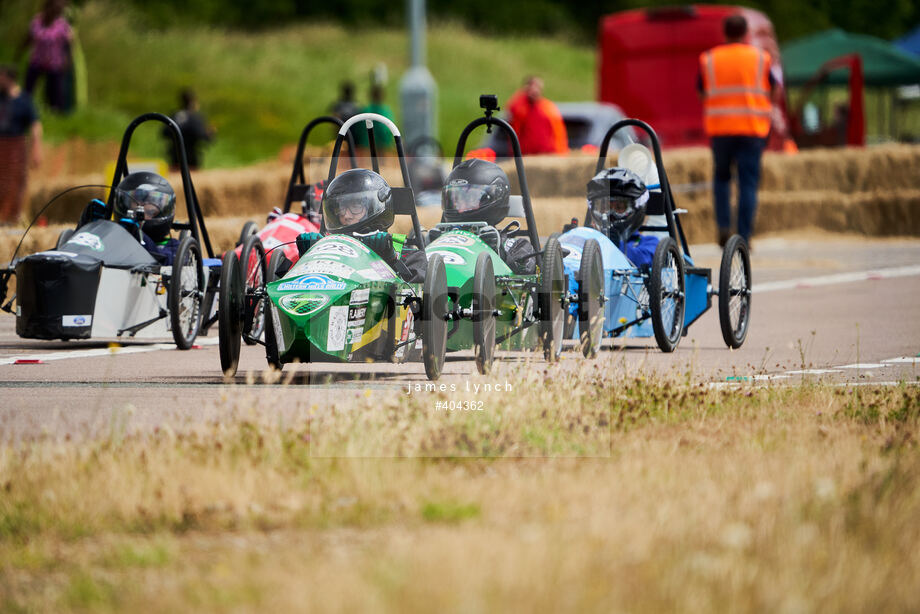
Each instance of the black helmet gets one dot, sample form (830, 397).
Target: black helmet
(152, 193)
(476, 191)
(617, 198)
(358, 200)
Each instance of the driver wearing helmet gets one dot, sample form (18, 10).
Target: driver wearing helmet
(359, 203)
(617, 199)
(478, 191)
(145, 205)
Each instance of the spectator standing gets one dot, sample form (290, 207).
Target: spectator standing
(194, 128)
(383, 138)
(536, 120)
(345, 107)
(50, 37)
(20, 144)
(736, 82)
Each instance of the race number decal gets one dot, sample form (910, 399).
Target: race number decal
(87, 239)
(455, 239)
(338, 323)
(328, 267)
(311, 282)
(449, 257)
(336, 248)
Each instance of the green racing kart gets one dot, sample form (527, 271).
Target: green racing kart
(341, 302)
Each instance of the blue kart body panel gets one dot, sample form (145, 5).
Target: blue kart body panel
(626, 310)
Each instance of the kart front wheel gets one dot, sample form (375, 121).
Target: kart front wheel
(274, 262)
(254, 269)
(249, 228)
(185, 293)
(434, 317)
(591, 298)
(735, 291)
(552, 292)
(666, 294)
(63, 238)
(483, 305)
(230, 313)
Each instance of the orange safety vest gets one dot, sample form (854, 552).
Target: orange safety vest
(736, 90)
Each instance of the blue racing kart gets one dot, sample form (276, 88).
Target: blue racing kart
(662, 299)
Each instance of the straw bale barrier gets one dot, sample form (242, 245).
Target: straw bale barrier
(874, 191)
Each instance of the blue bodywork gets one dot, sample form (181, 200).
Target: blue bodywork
(626, 312)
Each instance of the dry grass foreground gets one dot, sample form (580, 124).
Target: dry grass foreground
(594, 491)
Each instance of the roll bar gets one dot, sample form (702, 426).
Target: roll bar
(195, 217)
(298, 172)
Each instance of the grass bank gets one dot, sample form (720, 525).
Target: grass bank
(584, 491)
(259, 89)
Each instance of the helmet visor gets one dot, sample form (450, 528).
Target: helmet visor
(468, 197)
(344, 210)
(147, 197)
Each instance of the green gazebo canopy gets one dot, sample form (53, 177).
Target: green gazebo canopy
(883, 63)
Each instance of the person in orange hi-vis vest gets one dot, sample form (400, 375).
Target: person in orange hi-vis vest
(536, 120)
(736, 85)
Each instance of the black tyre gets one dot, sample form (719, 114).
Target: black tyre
(434, 317)
(254, 270)
(483, 305)
(552, 293)
(186, 293)
(230, 313)
(274, 261)
(666, 294)
(63, 238)
(735, 291)
(591, 298)
(249, 228)
(271, 341)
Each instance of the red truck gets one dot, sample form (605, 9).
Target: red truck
(648, 65)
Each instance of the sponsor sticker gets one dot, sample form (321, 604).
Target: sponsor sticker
(449, 257)
(329, 267)
(338, 248)
(87, 239)
(311, 282)
(455, 239)
(76, 321)
(338, 324)
(361, 295)
(383, 269)
(303, 304)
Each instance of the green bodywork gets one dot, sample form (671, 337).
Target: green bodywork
(342, 302)
(516, 295)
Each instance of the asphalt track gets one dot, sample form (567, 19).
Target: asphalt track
(838, 309)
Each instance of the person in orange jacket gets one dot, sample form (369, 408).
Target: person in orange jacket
(536, 120)
(736, 85)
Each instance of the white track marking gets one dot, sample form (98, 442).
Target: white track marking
(96, 352)
(868, 365)
(812, 372)
(840, 278)
(904, 359)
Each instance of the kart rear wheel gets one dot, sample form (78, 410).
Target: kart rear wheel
(230, 313)
(434, 317)
(666, 294)
(591, 298)
(249, 228)
(735, 291)
(63, 238)
(483, 307)
(253, 268)
(274, 261)
(552, 293)
(185, 293)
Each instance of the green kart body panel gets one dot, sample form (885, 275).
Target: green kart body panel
(516, 298)
(341, 302)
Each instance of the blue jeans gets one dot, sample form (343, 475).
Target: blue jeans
(745, 152)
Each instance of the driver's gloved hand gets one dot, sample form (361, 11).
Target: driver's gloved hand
(305, 241)
(94, 210)
(382, 244)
